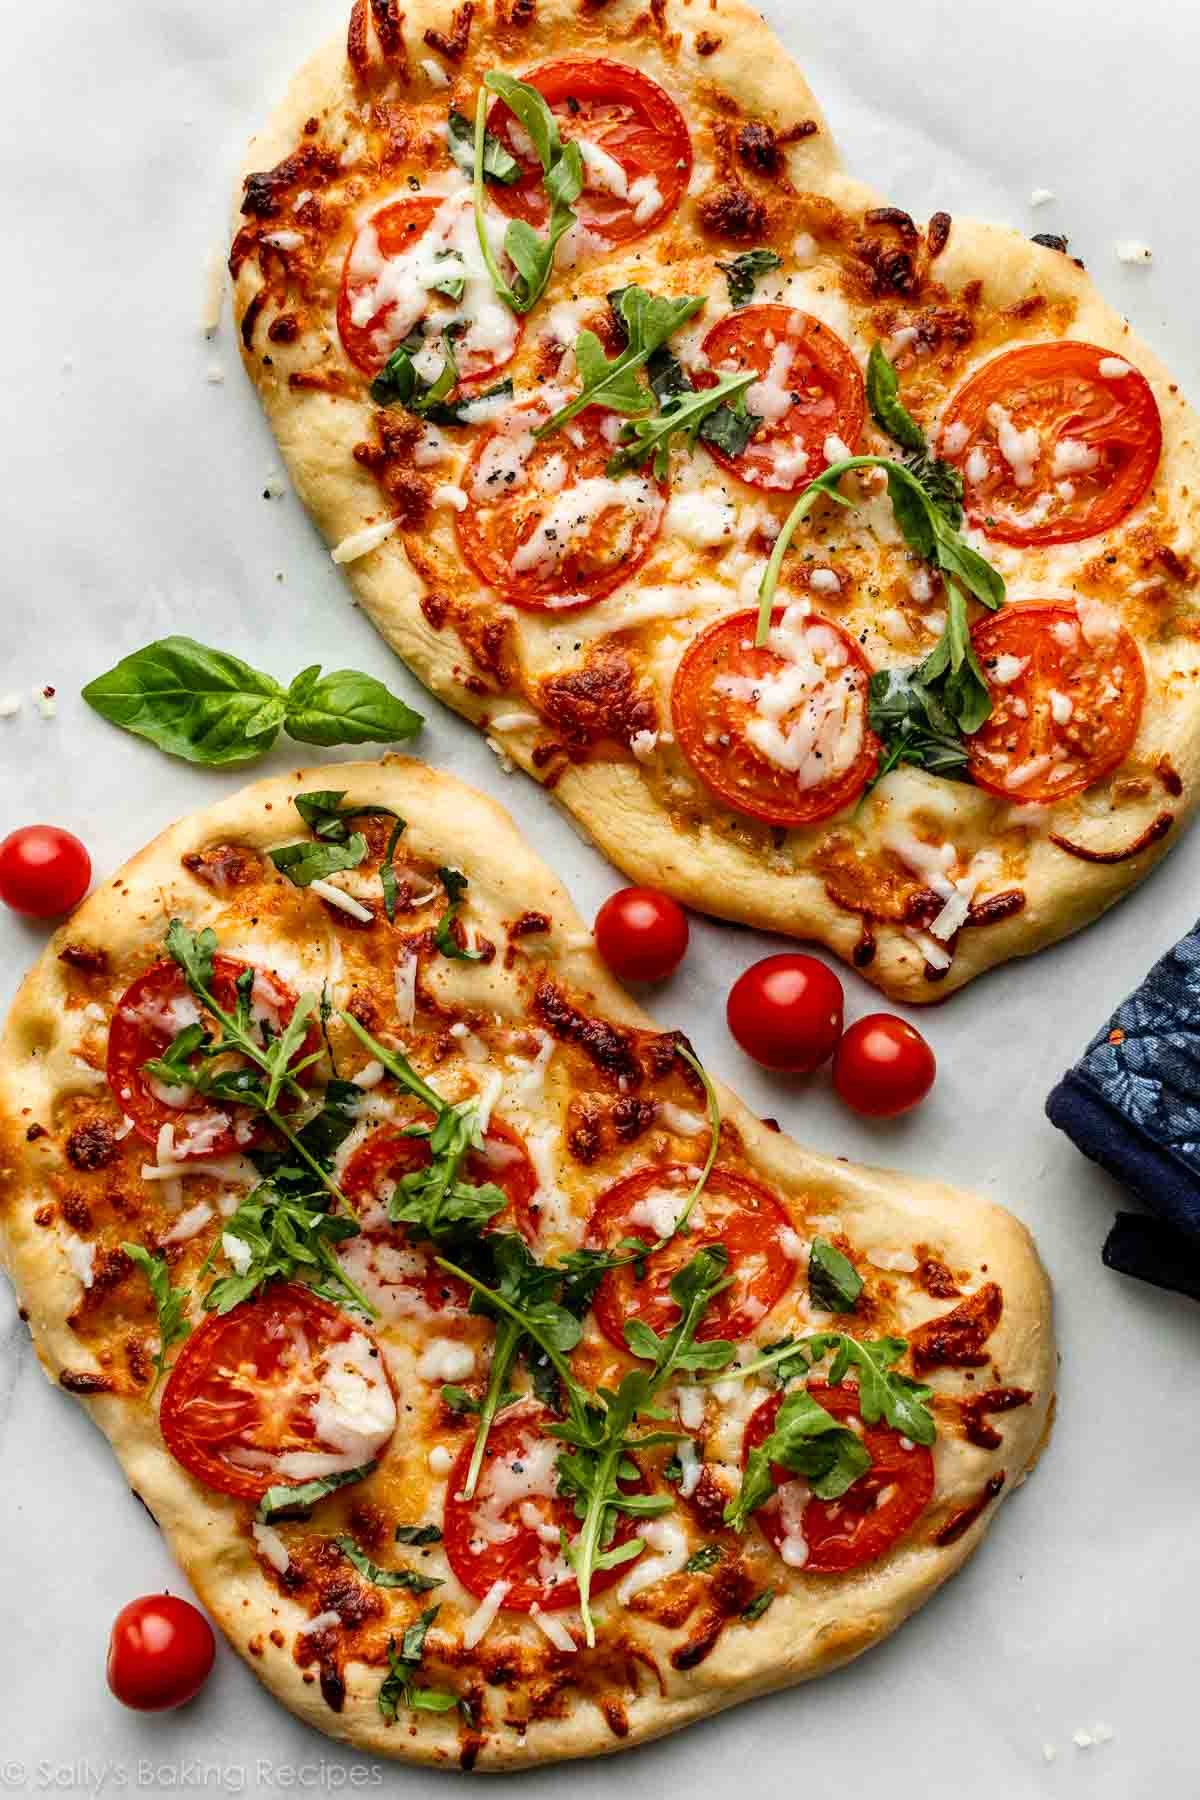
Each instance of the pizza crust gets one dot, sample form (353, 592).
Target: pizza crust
(816, 1623)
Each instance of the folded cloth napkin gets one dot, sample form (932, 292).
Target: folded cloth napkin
(1132, 1103)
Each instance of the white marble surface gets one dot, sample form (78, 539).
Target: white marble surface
(132, 505)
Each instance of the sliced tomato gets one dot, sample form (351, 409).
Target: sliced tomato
(780, 733)
(870, 1517)
(645, 153)
(147, 1017)
(1055, 442)
(746, 1219)
(379, 1162)
(239, 1410)
(1067, 686)
(546, 526)
(809, 390)
(384, 294)
(510, 1531)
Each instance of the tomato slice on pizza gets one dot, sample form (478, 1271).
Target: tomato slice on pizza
(377, 1165)
(1067, 686)
(745, 1219)
(636, 151)
(415, 267)
(148, 1016)
(780, 732)
(808, 396)
(284, 1388)
(1055, 442)
(826, 1537)
(511, 1530)
(545, 525)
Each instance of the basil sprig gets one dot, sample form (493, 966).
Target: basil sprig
(741, 275)
(209, 707)
(398, 1688)
(170, 1304)
(645, 321)
(531, 255)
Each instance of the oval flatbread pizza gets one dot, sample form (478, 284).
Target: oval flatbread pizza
(559, 314)
(505, 1389)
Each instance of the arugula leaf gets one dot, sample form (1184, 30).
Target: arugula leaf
(346, 707)
(295, 1501)
(532, 256)
(385, 1578)
(170, 1303)
(647, 321)
(883, 1393)
(743, 272)
(758, 1606)
(691, 1288)
(498, 164)
(398, 1689)
(320, 1137)
(687, 412)
(833, 1281)
(285, 1240)
(418, 1534)
(203, 705)
(174, 1066)
(398, 383)
(455, 883)
(305, 863)
(807, 1441)
(707, 1557)
(209, 707)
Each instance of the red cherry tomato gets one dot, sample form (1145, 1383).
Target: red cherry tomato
(241, 1405)
(1083, 433)
(43, 871)
(160, 1651)
(870, 1516)
(620, 112)
(745, 1219)
(641, 934)
(791, 767)
(883, 1066)
(786, 1012)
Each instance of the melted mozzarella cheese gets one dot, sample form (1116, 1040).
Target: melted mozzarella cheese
(670, 1541)
(446, 1359)
(808, 716)
(484, 1616)
(793, 1497)
(1020, 449)
(354, 1412)
(272, 1547)
(602, 171)
(577, 510)
(702, 517)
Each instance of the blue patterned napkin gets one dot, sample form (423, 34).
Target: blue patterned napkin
(1132, 1103)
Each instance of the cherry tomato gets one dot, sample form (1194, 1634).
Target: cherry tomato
(510, 1530)
(1067, 686)
(809, 390)
(789, 757)
(786, 1012)
(641, 934)
(160, 1651)
(883, 1066)
(239, 1408)
(390, 1260)
(538, 529)
(746, 1219)
(1056, 442)
(624, 115)
(43, 871)
(378, 309)
(834, 1535)
(148, 1015)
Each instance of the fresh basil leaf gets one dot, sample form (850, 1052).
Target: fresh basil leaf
(303, 863)
(455, 884)
(418, 1534)
(743, 272)
(193, 702)
(498, 164)
(385, 1578)
(887, 409)
(399, 384)
(451, 412)
(729, 428)
(346, 707)
(170, 1304)
(758, 1606)
(687, 414)
(833, 1281)
(707, 1557)
(326, 817)
(286, 1502)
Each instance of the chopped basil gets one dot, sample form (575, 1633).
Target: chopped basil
(455, 884)
(305, 863)
(758, 1606)
(398, 1689)
(707, 1557)
(294, 1502)
(833, 1281)
(384, 1578)
(743, 272)
(399, 384)
(418, 1534)
(498, 164)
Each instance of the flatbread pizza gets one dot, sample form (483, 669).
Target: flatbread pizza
(834, 571)
(505, 1389)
